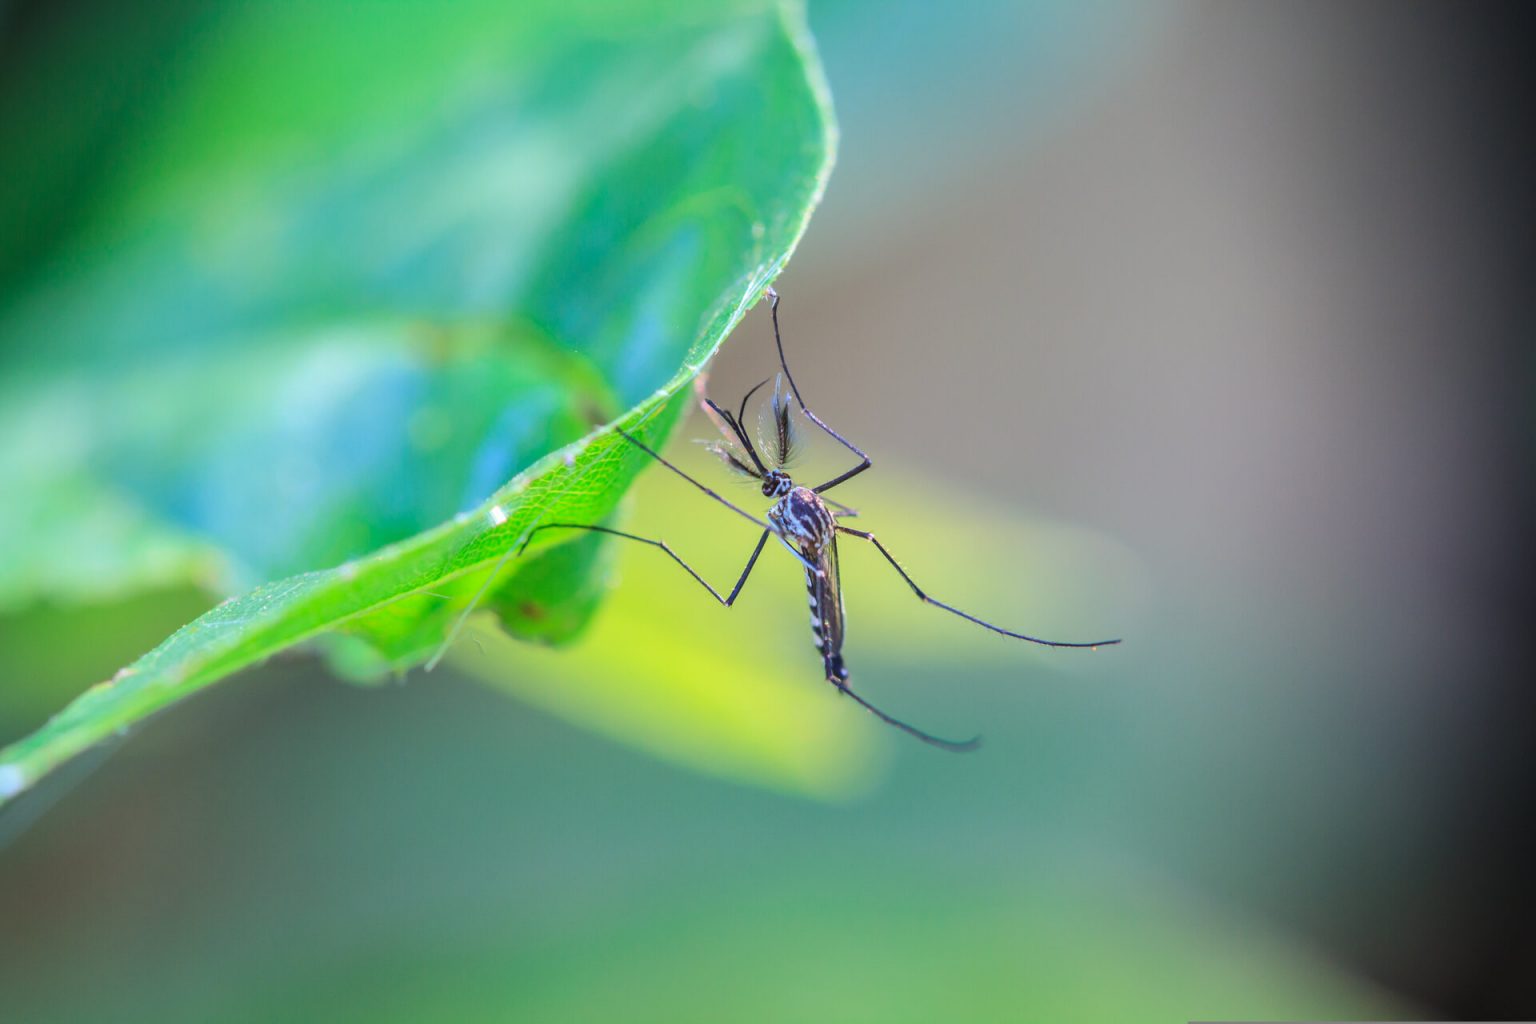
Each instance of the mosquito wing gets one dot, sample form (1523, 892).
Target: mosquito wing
(827, 621)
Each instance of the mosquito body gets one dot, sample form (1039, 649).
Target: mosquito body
(802, 516)
(803, 520)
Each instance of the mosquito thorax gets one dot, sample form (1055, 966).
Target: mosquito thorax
(803, 517)
(776, 484)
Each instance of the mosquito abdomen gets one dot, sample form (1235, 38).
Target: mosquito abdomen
(826, 612)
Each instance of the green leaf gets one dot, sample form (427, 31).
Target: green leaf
(364, 435)
(354, 272)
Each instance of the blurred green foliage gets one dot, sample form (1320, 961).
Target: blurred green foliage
(352, 274)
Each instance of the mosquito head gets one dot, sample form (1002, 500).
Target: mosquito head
(776, 484)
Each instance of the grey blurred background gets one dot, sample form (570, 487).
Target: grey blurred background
(1250, 299)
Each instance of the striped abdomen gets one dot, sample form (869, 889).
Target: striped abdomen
(826, 596)
(804, 518)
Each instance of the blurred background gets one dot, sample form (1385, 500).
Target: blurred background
(1197, 324)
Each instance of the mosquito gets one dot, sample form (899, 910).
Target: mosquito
(805, 521)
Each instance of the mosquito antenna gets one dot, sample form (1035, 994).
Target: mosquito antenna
(957, 747)
(728, 455)
(783, 446)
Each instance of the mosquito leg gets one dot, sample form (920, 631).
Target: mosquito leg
(734, 508)
(955, 746)
(862, 535)
(843, 511)
(632, 439)
(725, 599)
(520, 547)
(855, 471)
(523, 543)
(773, 306)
